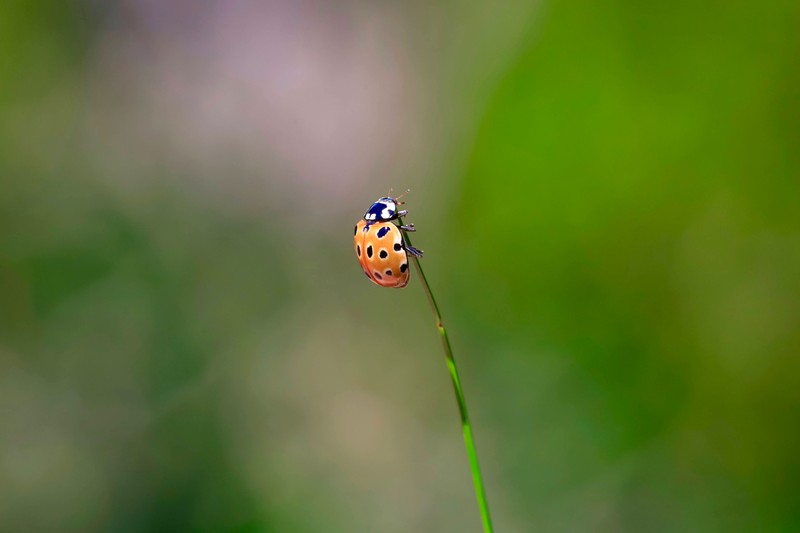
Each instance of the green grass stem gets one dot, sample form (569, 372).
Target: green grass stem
(469, 441)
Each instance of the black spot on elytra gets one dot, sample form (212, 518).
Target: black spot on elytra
(377, 275)
(369, 251)
(355, 230)
(398, 247)
(389, 273)
(403, 267)
(358, 250)
(383, 254)
(383, 231)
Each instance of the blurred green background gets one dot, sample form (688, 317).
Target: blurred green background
(607, 194)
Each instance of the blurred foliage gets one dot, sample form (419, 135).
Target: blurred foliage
(617, 257)
(632, 205)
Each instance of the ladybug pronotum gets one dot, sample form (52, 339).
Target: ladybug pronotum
(383, 210)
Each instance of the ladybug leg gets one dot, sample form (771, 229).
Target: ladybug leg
(401, 213)
(413, 251)
(408, 227)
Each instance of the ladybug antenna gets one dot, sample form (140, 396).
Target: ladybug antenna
(398, 198)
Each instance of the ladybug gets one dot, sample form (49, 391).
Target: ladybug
(380, 247)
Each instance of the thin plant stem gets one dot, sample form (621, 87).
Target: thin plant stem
(469, 441)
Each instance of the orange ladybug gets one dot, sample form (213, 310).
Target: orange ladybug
(383, 253)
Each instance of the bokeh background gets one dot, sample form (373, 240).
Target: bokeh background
(607, 194)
